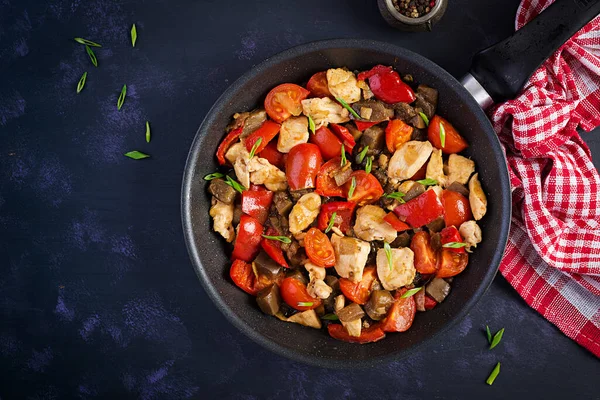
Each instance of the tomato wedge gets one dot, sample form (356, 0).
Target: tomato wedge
(256, 203)
(359, 292)
(369, 335)
(328, 143)
(363, 125)
(451, 263)
(230, 139)
(451, 235)
(343, 215)
(302, 165)
(393, 220)
(318, 248)
(273, 247)
(272, 155)
(368, 189)
(345, 136)
(425, 256)
(326, 185)
(454, 142)
(456, 208)
(284, 101)
(242, 275)
(294, 293)
(247, 242)
(421, 210)
(397, 133)
(401, 315)
(267, 131)
(317, 85)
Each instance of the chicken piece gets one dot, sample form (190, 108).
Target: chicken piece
(304, 212)
(339, 303)
(262, 172)
(383, 161)
(307, 318)
(324, 111)
(435, 167)
(371, 226)
(240, 166)
(318, 288)
(408, 159)
(366, 90)
(459, 169)
(477, 198)
(222, 214)
(402, 271)
(314, 271)
(471, 233)
(293, 131)
(366, 112)
(343, 84)
(353, 327)
(350, 256)
(236, 151)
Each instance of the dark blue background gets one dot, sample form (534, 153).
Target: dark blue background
(98, 298)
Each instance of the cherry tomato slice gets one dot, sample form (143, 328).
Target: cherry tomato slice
(425, 256)
(369, 335)
(247, 242)
(302, 165)
(317, 85)
(256, 203)
(393, 220)
(368, 189)
(401, 315)
(451, 235)
(284, 101)
(267, 131)
(421, 210)
(231, 138)
(345, 136)
(273, 247)
(454, 142)
(456, 208)
(359, 292)
(295, 295)
(242, 275)
(343, 215)
(397, 133)
(318, 248)
(272, 155)
(451, 263)
(328, 143)
(364, 125)
(326, 185)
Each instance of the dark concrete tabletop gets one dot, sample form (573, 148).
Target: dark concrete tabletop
(98, 298)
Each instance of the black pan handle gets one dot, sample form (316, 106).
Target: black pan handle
(503, 68)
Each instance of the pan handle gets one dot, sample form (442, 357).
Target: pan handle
(502, 69)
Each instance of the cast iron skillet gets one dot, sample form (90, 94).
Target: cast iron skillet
(210, 255)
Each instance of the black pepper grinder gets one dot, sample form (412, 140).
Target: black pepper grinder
(412, 15)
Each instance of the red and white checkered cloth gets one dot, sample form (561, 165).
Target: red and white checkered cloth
(553, 253)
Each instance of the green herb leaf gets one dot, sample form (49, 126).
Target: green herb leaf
(454, 245)
(87, 42)
(121, 99)
(331, 222)
(352, 187)
(147, 132)
(255, 146)
(362, 154)
(92, 55)
(212, 176)
(282, 239)
(81, 82)
(136, 155)
(396, 196)
(489, 334)
(234, 184)
(343, 152)
(133, 35)
(347, 107)
(388, 254)
(442, 134)
(424, 118)
(311, 124)
(428, 182)
(497, 338)
(495, 372)
(411, 292)
(330, 317)
(305, 304)
(369, 165)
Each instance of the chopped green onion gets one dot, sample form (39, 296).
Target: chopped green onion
(442, 135)
(497, 338)
(282, 239)
(362, 154)
(396, 196)
(454, 245)
(424, 118)
(331, 222)
(388, 254)
(136, 155)
(255, 146)
(212, 176)
(311, 124)
(428, 182)
(121, 99)
(147, 132)
(496, 371)
(369, 165)
(352, 187)
(81, 82)
(234, 184)
(87, 42)
(489, 334)
(343, 151)
(92, 55)
(133, 35)
(347, 107)
(411, 292)
(305, 304)
(330, 317)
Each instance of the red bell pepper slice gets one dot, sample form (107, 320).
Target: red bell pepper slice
(363, 125)
(393, 220)
(242, 275)
(429, 303)
(267, 131)
(421, 210)
(387, 86)
(343, 215)
(273, 247)
(451, 235)
(345, 136)
(231, 138)
(247, 242)
(272, 155)
(256, 202)
(326, 185)
(369, 335)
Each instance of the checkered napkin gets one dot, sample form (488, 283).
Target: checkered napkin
(553, 253)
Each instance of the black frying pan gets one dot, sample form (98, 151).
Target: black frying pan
(498, 73)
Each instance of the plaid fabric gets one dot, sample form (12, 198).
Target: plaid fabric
(553, 253)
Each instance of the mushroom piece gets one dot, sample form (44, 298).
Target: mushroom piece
(222, 191)
(477, 198)
(408, 159)
(402, 270)
(304, 212)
